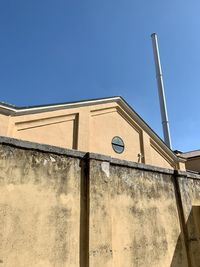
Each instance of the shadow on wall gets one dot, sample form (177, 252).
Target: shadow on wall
(84, 215)
(191, 231)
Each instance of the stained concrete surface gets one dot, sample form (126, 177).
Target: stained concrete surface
(62, 208)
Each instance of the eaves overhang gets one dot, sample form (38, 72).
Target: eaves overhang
(17, 111)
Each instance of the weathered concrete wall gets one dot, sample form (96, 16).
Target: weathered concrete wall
(39, 209)
(64, 208)
(189, 189)
(134, 219)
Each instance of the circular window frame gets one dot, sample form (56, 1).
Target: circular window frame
(121, 146)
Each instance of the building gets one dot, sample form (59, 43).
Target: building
(61, 205)
(192, 160)
(106, 126)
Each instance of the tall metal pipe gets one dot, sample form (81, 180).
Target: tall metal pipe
(161, 92)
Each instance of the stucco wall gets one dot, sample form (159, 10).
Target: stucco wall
(64, 208)
(107, 124)
(134, 219)
(189, 188)
(39, 209)
(91, 128)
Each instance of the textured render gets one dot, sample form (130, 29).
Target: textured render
(65, 208)
(134, 219)
(190, 198)
(39, 209)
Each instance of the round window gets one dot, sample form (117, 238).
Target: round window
(117, 144)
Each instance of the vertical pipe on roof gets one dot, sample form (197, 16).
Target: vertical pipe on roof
(161, 92)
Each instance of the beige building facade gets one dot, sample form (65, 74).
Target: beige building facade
(106, 126)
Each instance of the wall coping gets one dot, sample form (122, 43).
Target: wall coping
(130, 164)
(89, 155)
(187, 174)
(41, 147)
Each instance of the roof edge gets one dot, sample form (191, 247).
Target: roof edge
(54, 106)
(152, 133)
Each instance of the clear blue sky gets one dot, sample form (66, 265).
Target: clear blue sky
(64, 50)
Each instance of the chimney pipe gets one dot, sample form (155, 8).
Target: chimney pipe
(161, 92)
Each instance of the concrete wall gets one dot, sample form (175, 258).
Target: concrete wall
(64, 208)
(134, 219)
(189, 193)
(39, 209)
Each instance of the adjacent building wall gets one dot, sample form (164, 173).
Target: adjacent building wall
(193, 164)
(91, 128)
(64, 208)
